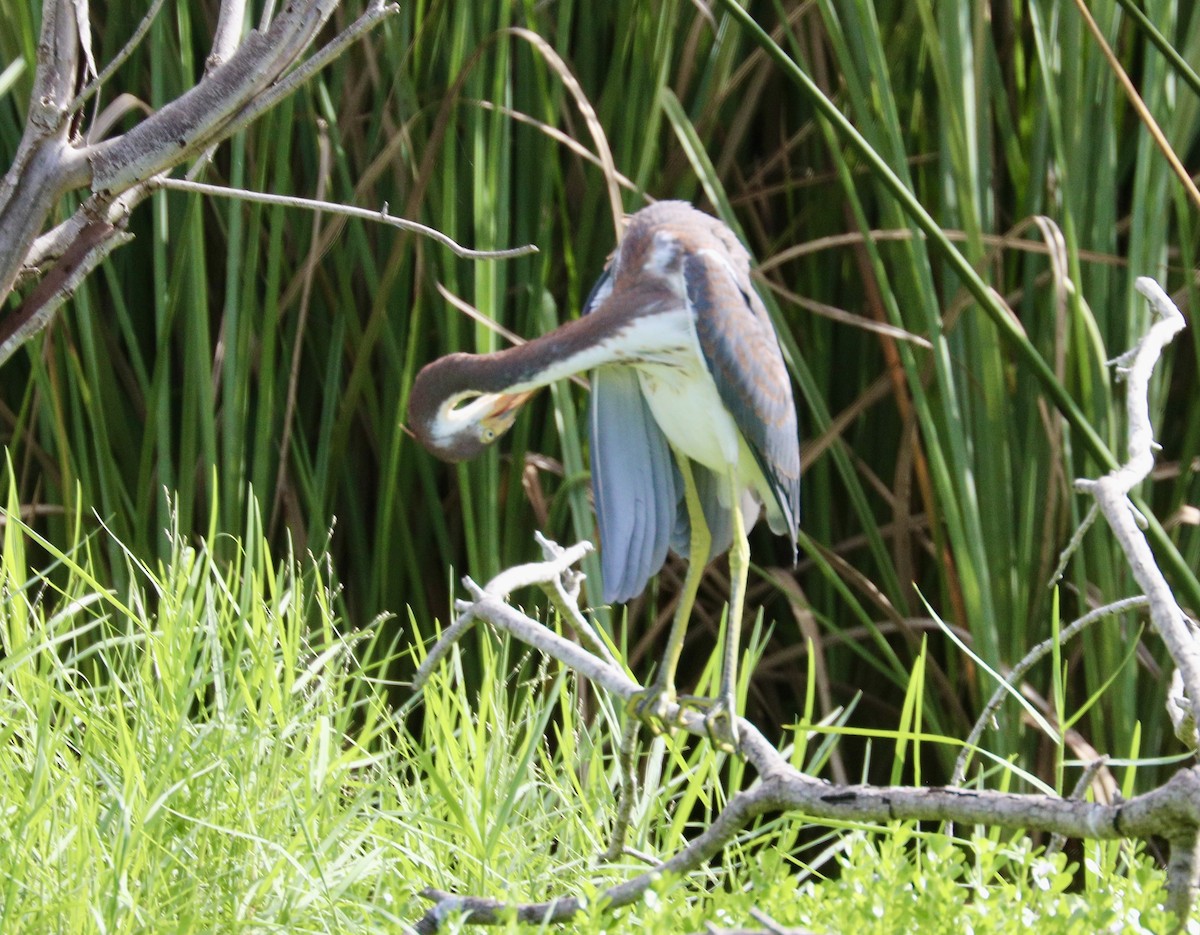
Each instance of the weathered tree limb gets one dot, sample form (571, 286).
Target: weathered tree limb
(44, 161)
(1171, 811)
(246, 73)
(1112, 496)
(52, 159)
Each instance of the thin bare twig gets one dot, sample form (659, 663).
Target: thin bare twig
(363, 214)
(498, 589)
(1017, 673)
(563, 591)
(119, 59)
(628, 795)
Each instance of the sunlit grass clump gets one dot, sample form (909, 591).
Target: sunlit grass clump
(199, 752)
(212, 750)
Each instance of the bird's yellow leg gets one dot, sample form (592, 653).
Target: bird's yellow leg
(722, 717)
(651, 704)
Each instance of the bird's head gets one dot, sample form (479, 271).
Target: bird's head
(453, 420)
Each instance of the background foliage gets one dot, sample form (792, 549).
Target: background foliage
(238, 353)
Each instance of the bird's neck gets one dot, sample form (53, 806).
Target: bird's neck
(574, 347)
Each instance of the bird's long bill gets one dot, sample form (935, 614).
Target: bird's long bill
(508, 404)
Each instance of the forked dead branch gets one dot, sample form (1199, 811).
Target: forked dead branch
(246, 74)
(1171, 811)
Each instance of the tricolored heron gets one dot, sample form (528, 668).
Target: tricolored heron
(692, 420)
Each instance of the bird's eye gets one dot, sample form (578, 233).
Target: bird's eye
(488, 435)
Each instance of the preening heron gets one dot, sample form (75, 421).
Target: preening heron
(693, 425)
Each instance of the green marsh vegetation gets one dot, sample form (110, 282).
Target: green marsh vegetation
(222, 399)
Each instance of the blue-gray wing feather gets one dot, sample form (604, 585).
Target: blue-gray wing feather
(743, 356)
(633, 482)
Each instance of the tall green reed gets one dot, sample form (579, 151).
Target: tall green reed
(934, 466)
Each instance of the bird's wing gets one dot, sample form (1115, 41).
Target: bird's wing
(633, 480)
(743, 356)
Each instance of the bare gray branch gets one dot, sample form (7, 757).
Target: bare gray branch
(1171, 811)
(1112, 497)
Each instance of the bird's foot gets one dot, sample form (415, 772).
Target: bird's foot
(654, 707)
(720, 719)
(661, 711)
